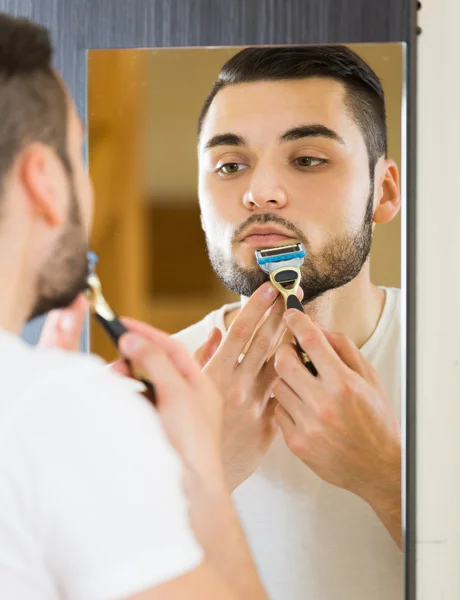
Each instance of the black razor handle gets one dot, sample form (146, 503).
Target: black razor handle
(115, 329)
(293, 302)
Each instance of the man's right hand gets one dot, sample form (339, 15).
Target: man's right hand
(249, 412)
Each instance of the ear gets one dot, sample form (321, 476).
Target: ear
(388, 198)
(42, 177)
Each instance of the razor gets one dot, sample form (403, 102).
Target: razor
(108, 318)
(282, 264)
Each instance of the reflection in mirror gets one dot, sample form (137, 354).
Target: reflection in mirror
(290, 147)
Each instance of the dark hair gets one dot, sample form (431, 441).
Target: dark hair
(33, 104)
(364, 92)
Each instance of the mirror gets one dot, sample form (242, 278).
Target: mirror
(310, 539)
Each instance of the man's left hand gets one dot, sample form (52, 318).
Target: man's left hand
(341, 423)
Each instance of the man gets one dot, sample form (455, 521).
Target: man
(91, 501)
(292, 147)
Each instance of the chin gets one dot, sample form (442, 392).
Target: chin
(244, 257)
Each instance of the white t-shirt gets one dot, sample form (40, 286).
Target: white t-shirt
(91, 503)
(310, 539)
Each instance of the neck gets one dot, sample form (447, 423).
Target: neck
(353, 309)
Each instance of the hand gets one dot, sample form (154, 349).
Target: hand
(63, 328)
(249, 423)
(187, 402)
(341, 423)
(207, 350)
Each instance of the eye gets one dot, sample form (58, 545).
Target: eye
(231, 168)
(309, 161)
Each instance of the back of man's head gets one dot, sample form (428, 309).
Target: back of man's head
(33, 104)
(364, 93)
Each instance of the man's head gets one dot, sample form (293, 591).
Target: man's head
(293, 147)
(45, 193)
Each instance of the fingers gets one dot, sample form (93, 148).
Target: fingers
(290, 368)
(349, 353)
(63, 328)
(244, 325)
(314, 343)
(207, 350)
(289, 400)
(265, 338)
(284, 420)
(121, 367)
(173, 348)
(151, 359)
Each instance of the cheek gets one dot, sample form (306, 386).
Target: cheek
(218, 204)
(332, 199)
(85, 196)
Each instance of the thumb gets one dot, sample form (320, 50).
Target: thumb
(207, 350)
(63, 328)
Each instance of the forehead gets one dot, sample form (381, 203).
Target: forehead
(278, 105)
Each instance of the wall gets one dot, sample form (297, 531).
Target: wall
(438, 304)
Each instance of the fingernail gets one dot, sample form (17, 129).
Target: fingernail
(130, 342)
(269, 291)
(289, 314)
(67, 322)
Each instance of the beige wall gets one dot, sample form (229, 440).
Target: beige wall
(438, 303)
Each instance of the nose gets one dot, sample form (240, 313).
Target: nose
(265, 191)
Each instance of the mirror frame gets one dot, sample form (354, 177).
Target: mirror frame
(87, 24)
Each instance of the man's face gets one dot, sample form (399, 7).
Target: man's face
(284, 162)
(63, 275)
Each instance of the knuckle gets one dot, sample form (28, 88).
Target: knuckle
(253, 412)
(315, 435)
(326, 415)
(236, 399)
(348, 386)
(282, 360)
(240, 332)
(310, 338)
(295, 443)
(263, 343)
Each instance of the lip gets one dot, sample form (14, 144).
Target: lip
(261, 230)
(266, 240)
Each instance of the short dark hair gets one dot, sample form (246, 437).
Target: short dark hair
(33, 103)
(364, 91)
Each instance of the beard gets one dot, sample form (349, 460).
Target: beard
(338, 263)
(64, 274)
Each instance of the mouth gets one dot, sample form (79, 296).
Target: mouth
(265, 237)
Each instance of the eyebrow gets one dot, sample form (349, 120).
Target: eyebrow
(296, 133)
(224, 139)
(303, 131)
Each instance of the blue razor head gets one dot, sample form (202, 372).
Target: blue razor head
(93, 258)
(280, 254)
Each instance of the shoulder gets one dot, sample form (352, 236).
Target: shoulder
(55, 394)
(192, 337)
